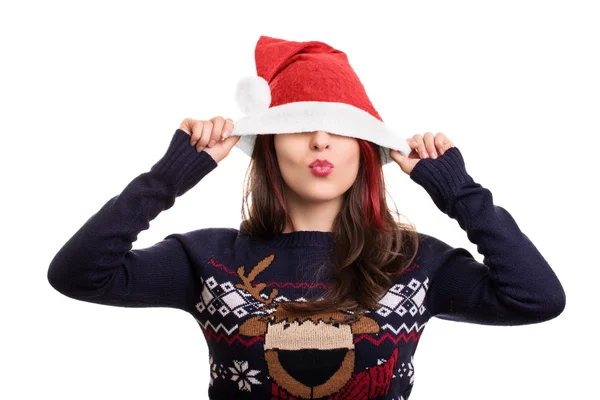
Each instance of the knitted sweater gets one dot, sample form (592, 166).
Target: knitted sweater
(231, 283)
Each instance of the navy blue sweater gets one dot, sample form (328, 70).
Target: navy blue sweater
(231, 283)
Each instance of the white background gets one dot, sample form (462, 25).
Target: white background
(91, 93)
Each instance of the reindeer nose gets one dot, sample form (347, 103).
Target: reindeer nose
(310, 366)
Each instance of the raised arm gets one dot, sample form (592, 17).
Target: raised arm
(514, 285)
(98, 265)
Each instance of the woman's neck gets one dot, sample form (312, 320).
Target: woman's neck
(312, 216)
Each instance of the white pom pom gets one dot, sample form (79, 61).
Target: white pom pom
(253, 94)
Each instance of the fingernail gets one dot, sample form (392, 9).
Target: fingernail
(226, 133)
(194, 142)
(425, 155)
(433, 155)
(211, 143)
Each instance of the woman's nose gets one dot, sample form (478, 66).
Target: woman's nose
(320, 140)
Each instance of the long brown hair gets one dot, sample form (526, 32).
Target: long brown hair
(370, 248)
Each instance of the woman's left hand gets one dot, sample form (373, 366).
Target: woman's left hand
(422, 147)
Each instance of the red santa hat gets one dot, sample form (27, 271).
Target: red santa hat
(305, 87)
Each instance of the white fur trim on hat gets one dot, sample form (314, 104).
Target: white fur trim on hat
(308, 116)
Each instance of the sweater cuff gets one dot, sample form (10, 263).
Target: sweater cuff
(442, 177)
(182, 166)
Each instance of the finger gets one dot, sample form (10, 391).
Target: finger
(231, 141)
(442, 143)
(413, 146)
(205, 138)
(420, 145)
(186, 125)
(215, 135)
(197, 126)
(397, 156)
(428, 138)
(405, 163)
(228, 128)
(227, 144)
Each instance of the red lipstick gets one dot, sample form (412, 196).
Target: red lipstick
(321, 167)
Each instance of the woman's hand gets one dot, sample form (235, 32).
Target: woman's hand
(211, 136)
(422, 147)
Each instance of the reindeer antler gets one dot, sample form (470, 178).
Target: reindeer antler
(255, 290)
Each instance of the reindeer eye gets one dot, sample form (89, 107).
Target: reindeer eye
(336, 324)
(286, 325)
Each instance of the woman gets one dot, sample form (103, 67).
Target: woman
(321, 293)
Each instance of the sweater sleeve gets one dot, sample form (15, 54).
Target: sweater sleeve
(98, 265)
(514, 285)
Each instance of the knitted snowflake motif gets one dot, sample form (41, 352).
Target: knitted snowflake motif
(243, 376)
(216, 371)
(407, 369)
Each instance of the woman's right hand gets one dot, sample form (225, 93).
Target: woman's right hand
(211, 136)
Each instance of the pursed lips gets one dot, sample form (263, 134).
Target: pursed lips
(321, 163)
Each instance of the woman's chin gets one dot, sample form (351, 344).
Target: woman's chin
(320, 197)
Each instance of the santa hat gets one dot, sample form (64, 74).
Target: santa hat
(305, 87)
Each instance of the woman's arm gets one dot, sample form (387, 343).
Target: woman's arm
(513, 286)
(98, 264)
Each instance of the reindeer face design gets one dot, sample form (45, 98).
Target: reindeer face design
(310, 356)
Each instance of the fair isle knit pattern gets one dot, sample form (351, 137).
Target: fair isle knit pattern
(232, 284)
